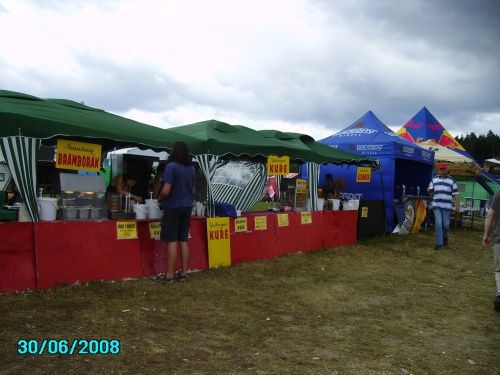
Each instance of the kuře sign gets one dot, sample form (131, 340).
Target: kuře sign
(278, 165)
(219, 242)
(78, 156)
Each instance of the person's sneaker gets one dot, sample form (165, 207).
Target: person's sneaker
(438, 247)
(163, 279)
(497, 302)
(181, 278)
(445, 241)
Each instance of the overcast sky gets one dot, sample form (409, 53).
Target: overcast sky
(307, 66)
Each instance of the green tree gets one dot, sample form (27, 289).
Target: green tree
(481, 147)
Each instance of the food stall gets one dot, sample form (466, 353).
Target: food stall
(42, 254)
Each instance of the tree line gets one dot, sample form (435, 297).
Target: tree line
(481, 147)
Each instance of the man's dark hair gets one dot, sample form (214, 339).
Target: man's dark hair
(328, 176)
(180, 154)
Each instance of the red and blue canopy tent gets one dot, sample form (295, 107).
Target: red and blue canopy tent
(424, 129)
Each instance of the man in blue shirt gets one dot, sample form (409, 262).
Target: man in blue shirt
(176, 197)
(444, 192)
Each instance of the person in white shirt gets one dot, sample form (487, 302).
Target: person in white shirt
(444, 192)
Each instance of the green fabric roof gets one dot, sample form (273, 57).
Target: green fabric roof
(227, 140)
(220, 138)
(318, 152)
(27, 115)
(22, 114)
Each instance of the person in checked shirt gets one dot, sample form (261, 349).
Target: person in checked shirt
(444, 192)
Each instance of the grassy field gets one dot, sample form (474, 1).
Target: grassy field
(391, 305)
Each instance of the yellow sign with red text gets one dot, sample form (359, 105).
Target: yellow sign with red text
(278, 165)
(240, 224)
(126, 230)
(78, 156)
(363, 174)
(219, 242)
(282, 220)
(260, 222)
(301, 186)
(154, 229)
(306, 217)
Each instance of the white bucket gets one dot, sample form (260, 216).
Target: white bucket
(141, 211)
(321, 203)
(47, 207)
(200, 209)
(23, 214)
(153, 208)
(354, 204)
(335, 204)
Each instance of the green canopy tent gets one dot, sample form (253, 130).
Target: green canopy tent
(321, 154)
(26, 120)
(48, 119)
(237, 141)
(221, 140)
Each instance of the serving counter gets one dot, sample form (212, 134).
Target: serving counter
(50, 253)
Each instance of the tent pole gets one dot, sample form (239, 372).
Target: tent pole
(383, 196)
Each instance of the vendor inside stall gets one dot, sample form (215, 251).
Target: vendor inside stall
(122, 184)
(330, 189)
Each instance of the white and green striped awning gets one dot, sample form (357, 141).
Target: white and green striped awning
(239, 183)
(313, 179)
(21, 154)
(208, 164)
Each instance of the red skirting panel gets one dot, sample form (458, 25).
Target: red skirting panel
(67, 252)
(254, 244)
(339, 228)
(154, 257)
(17, 257)
(46, 254)
(300, 237)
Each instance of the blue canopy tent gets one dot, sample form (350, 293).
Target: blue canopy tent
(405, 167)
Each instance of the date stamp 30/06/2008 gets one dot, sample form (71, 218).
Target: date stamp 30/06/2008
(68, 347)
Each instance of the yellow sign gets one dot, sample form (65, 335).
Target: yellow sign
(364, 211)
(420, 214)
(219, 242)
(78, 155)
(154, 230)
(278, 165)
(282, 220)
(260, 222)
(363, 174)
(240, 224)
(306, 217)
(126, 230)
(301, 186)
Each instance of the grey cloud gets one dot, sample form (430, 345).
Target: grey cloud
(107, 85)
(441, 54)
(386, 56)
